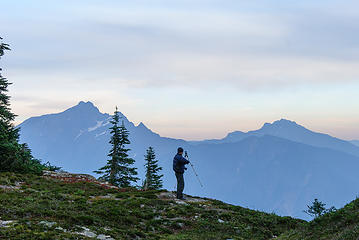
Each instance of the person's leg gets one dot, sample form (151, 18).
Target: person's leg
(180, 185)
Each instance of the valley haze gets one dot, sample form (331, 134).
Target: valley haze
(282, 162)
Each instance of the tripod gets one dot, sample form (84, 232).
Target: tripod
(195, 173)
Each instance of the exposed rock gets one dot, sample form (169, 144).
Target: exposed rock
(181, 225)
(104, 237)
(176, 218)
(48, 224)
(61, 229)
(172, 196)
(6, 224)
(17, 186)
(191, 199)
(87, 233)
(166, 195)
(220, 221)
(181, 202)
(108, 196)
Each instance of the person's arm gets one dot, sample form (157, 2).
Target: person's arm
(184, 160)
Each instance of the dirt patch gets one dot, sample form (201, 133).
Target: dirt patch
(172, 196)
(74, 178)
(17, 186)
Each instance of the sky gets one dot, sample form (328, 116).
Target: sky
(188, 69)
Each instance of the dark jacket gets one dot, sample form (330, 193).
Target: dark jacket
(179, 163)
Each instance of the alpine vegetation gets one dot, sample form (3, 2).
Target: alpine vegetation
(153, 180)
(118, 170)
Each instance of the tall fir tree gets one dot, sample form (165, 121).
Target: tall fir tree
(153, 180)
(119, 169)
(12, 154)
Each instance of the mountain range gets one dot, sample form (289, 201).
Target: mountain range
(292, 131)
(279, 168)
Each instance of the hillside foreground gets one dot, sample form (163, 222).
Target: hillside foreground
(80, 207)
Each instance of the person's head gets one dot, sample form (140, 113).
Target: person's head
(180, 151)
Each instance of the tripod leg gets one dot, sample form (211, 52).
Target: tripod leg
(195, 173)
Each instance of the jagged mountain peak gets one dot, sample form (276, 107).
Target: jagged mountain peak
(90, 109)
(84, 107)
(282, 123)
(285, 121)
(142, 125)
(83, 103)
(144, 129)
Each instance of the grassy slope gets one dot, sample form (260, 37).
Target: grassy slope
(342, 224)
(124, 215)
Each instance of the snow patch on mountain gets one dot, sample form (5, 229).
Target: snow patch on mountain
(100, 134)
(79, 135)
(98, 124)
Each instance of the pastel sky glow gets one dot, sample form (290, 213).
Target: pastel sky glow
(188, 69)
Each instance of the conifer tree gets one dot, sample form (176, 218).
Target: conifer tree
(8, 134)
(318, 209)
(119, 170)
(13, 155)
(153, 179)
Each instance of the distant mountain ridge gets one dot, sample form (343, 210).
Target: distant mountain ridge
(292, 131)
(243, 168)
(355, 142)
(82, 126)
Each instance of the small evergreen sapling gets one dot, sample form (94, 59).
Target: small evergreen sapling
(118, 170)
(318, 209)
(153, 180)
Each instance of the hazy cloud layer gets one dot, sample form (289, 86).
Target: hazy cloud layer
(102, 49)
(168, 44)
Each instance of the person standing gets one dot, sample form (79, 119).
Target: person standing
(179, 163)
